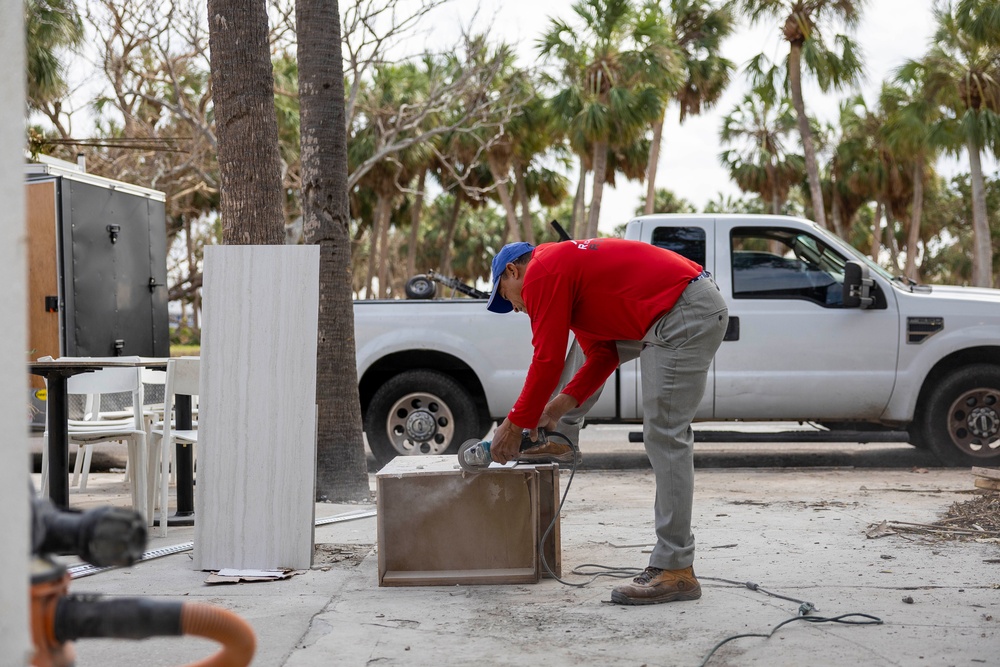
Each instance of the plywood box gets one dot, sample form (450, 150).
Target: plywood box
(438, 525)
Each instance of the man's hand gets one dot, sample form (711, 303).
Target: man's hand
(506, 442)
(554, 411)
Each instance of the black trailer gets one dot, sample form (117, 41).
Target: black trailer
(97, 264)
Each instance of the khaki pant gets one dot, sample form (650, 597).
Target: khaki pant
(674, 357)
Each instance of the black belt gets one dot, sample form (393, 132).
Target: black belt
(703, 274)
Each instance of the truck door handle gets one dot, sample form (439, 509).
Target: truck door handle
(733, 329)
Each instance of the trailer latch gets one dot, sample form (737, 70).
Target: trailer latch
(119, 346)
(153, 284)
(51, 304)
(113, 231)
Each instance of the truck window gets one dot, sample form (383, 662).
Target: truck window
(687, 241)
(772, 263)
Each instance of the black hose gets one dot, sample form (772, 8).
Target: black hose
(89, 616)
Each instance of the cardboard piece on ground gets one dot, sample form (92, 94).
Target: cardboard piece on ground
(234, 576)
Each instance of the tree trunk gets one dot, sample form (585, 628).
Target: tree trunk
(600, 171)
(652, 165)
(982, 244)
(374, 236)
(890, 228)
(500, 178)
(415, 212)
(246, 124)
(837, 215)
(812, 168)
(578, 204)
(521, 194)
(449, 235)
(341, 467)
(876, 232)
(916, 213)
(772, 173)
(384, 251)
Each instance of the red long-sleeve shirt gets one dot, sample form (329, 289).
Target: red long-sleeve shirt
(603, 290)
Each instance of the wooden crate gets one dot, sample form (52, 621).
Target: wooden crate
(438, 525)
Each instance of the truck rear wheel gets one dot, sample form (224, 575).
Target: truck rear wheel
(961, 420)
(420, 412)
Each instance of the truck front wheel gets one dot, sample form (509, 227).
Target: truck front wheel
(961, 420)
(420, 412)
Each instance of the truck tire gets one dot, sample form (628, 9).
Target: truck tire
(420, 412)
(420, 287)
(961, 420)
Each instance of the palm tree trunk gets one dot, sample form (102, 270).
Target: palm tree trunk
(415, 213)
(521, 193)
(246, 124)
(449, 236)
(876, 232)
(982, 256)
(651, 167)
(812, 168)
(837, 216)
(378, 218)
(341, 468)
(578, 205)
(384, 252)
(775, 195)
(916, 213)
(890, 228)
(600, 172)
(500, 178)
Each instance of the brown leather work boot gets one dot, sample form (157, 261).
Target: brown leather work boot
(655, 585)
(547, 452)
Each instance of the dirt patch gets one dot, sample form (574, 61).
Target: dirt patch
(326, 556)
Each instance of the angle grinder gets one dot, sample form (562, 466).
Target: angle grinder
(474, 455)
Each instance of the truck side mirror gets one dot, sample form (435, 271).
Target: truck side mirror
(857, 286)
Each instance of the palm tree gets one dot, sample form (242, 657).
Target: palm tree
(50, 26)
(697, 28)
(910, 133)
(613, 84)
(961, 75)
(760, 162)
(246, 125)
(341, 469)
(869, 166)
(803, 23)
(391, 87)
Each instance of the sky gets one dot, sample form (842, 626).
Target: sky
(891, 32)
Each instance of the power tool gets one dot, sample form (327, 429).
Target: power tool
(474, 455)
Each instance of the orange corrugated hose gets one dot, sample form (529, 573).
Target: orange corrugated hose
(221, 625)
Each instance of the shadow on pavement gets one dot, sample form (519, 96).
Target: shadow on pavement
(817, 456)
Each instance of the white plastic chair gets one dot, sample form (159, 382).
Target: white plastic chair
(182, 378)
(84, 433)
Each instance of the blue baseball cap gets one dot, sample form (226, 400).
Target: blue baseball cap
(508, 253)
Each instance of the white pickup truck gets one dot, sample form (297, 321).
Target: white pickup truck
(874, 353)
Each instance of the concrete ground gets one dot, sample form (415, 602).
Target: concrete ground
(797, 532)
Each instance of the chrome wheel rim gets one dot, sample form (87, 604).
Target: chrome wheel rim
(974, 422)
(420, 423)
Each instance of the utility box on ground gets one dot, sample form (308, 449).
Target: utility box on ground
(97, 265)
(438, 525)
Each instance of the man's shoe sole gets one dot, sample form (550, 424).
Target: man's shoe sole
(673, 596)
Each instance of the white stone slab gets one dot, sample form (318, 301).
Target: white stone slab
(254, 498)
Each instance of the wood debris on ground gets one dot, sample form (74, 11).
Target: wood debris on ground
(975, 519)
